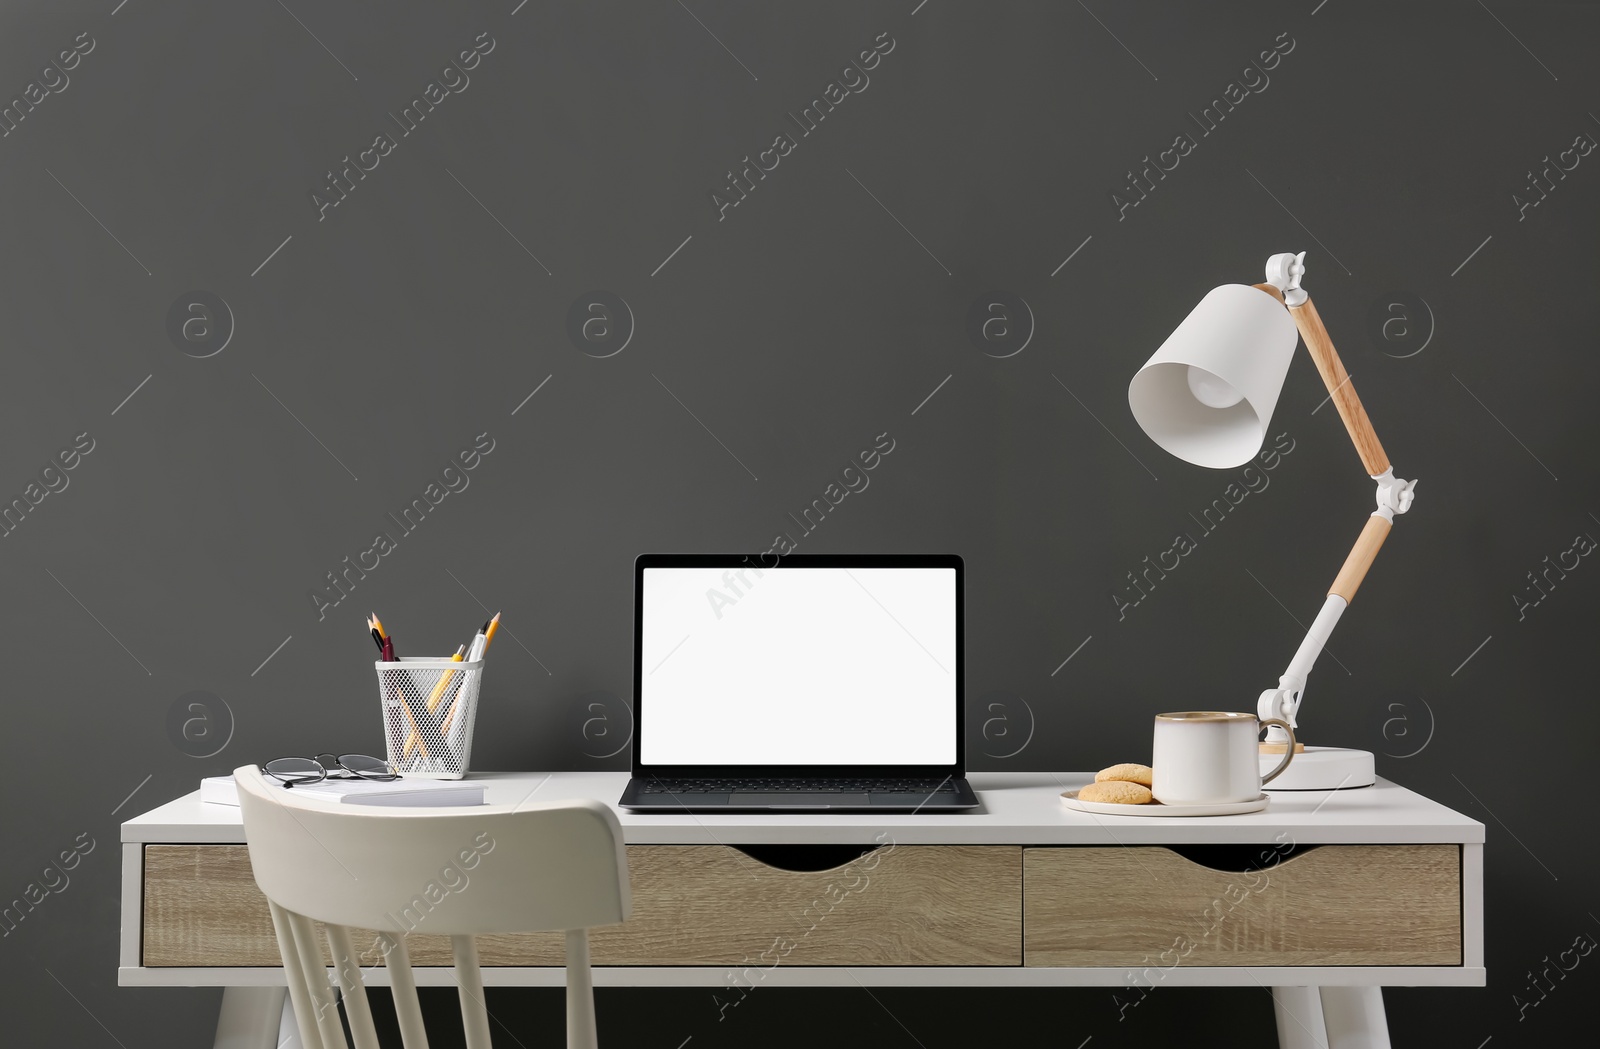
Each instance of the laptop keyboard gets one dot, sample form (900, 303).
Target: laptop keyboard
(853, 785)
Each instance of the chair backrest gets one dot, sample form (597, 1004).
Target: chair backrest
(457, 873)
(558, 865)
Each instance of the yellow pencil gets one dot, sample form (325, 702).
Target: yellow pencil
(444, 680)
(415, 738)
(489, 630)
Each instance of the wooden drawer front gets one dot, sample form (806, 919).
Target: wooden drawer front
(202, 907)
(903, 905)
(692, 905)
(1333, 905)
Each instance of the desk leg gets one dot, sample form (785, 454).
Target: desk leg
(288, 1030)
(250, 1018)
(1299, 1014)
(1355, 1018)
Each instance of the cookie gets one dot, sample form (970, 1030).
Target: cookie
(1128, 771)
(1116, 792)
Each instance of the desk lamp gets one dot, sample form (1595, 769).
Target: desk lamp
(1206, 396)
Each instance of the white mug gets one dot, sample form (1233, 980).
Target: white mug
(1207, 757)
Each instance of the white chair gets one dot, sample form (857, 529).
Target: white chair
(455, 872)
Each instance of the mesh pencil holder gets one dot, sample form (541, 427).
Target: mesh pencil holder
(429, 707)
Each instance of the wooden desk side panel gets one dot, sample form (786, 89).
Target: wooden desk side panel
(693, 905)
(1335, 905)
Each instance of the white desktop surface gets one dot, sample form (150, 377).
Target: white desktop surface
(1017, 808)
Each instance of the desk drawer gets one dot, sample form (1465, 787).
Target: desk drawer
(1329, 905)
(692, 905)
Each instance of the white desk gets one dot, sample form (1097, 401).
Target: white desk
(1105, 893)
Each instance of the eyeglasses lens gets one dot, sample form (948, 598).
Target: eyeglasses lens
(367, 767)
(294, 770)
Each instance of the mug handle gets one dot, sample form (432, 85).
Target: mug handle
(1288, 754)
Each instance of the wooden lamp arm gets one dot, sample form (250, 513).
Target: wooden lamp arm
(1320, 345)
(1331, 368)
(1376, 461)
(1361, 556)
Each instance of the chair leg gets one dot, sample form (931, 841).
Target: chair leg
(305, 1006)
(347, 968)
(580, 992)
(316, 976)
(403, 985)
(474, 1011)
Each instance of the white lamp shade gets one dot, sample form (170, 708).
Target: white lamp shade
(1231, 352)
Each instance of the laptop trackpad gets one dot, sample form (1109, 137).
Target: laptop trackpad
(801, 799)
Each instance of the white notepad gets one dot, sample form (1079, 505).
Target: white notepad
(411, 793)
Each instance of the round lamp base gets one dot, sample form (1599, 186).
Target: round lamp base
(1321, 768)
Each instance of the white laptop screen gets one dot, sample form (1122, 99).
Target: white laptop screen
(798, 666)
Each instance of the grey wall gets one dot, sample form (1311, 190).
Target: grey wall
(369, 342)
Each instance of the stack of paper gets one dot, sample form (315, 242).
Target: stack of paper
(220, 790)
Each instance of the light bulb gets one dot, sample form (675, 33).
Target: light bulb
(1212, 391)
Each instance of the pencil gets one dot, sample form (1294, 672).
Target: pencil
(444, 680)
(489, 630)
(433, 700)
(404, 705)
(474, 652)
(392, 694)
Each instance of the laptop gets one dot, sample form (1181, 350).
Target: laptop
(811, 682)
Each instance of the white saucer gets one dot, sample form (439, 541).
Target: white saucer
(1155, 808)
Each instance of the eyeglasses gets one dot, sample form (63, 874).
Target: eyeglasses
(328, 766)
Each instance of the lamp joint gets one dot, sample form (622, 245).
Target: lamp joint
(1284, 271)
(1281, 704)
(1394, 495)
